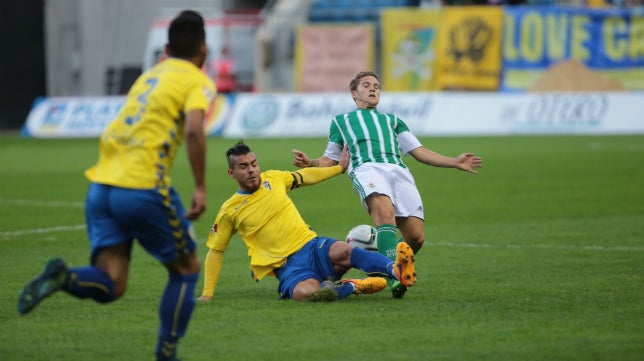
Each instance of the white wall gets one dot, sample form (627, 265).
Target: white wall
(86, 37)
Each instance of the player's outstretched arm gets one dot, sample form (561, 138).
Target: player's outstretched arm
(465, 162)
(314, 175)
(468, 161)
(301, 160)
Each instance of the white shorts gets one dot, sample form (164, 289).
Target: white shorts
(391, 180)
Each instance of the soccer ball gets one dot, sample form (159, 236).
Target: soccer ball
(363, 236)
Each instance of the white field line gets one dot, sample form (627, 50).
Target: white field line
(43, 230)
(36, 203)
(25, 202)
(430, 244)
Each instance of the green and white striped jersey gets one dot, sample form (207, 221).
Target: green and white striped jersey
(371, 136)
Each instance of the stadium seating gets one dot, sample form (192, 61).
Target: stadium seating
(353, 10)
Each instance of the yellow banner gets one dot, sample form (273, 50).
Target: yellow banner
(469, 48)
(327, 57)
(408, 43)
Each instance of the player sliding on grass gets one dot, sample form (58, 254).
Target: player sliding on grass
(131, 196)
(377, 142)
(281, 244)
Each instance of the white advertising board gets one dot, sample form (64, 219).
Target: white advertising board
(86, 117)
(310, 114)
(249, 115)
(427, 114)
(71, 117)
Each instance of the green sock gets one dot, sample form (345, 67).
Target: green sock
(387, 240)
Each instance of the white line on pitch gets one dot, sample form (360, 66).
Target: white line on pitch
(43, 230)
(25, 202)
(537, 246)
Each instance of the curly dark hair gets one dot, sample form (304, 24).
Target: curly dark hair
(240, 148)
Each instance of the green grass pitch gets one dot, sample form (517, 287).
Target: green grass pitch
(538, 257)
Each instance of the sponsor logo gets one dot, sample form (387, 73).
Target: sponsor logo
(81, 115)
(558, 110)
(260, 113)
(568, 109)
(54, 114)
(306, 108)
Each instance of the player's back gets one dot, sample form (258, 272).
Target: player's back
(138, 148)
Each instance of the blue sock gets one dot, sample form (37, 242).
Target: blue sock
(90, 282)
(345, 290)
(175, 310)
(372, 263)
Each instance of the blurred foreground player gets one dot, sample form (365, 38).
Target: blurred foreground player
(131, 197)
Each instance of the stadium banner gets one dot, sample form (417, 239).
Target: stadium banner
(535, 113)
(468, 48)
(408, 48)
(444, 114)
(608, 41)
(73, 117)
(86, 117)
(309, 115)
(327, 57)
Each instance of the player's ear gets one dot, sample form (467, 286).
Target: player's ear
(204, 50)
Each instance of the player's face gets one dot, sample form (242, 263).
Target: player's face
(246, 172)
(367, 94)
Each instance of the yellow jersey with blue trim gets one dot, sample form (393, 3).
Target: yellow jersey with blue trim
(137, 149)
(267, 221)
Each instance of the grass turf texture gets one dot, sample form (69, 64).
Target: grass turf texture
(539, 257)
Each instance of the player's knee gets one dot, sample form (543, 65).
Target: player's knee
(185, 265)
(340, 253)
(304, 289)
(193, 266)
(301, 293)
(416, 243)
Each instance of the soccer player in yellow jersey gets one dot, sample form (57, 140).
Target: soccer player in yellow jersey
(281, 244)
(130, 195)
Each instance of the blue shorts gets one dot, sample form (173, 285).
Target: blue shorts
(312, 261)
(117, 215)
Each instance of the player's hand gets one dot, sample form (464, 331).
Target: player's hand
(345, 157)
(300, 159)
(467, 162)
(198, 205)
(204, 298)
